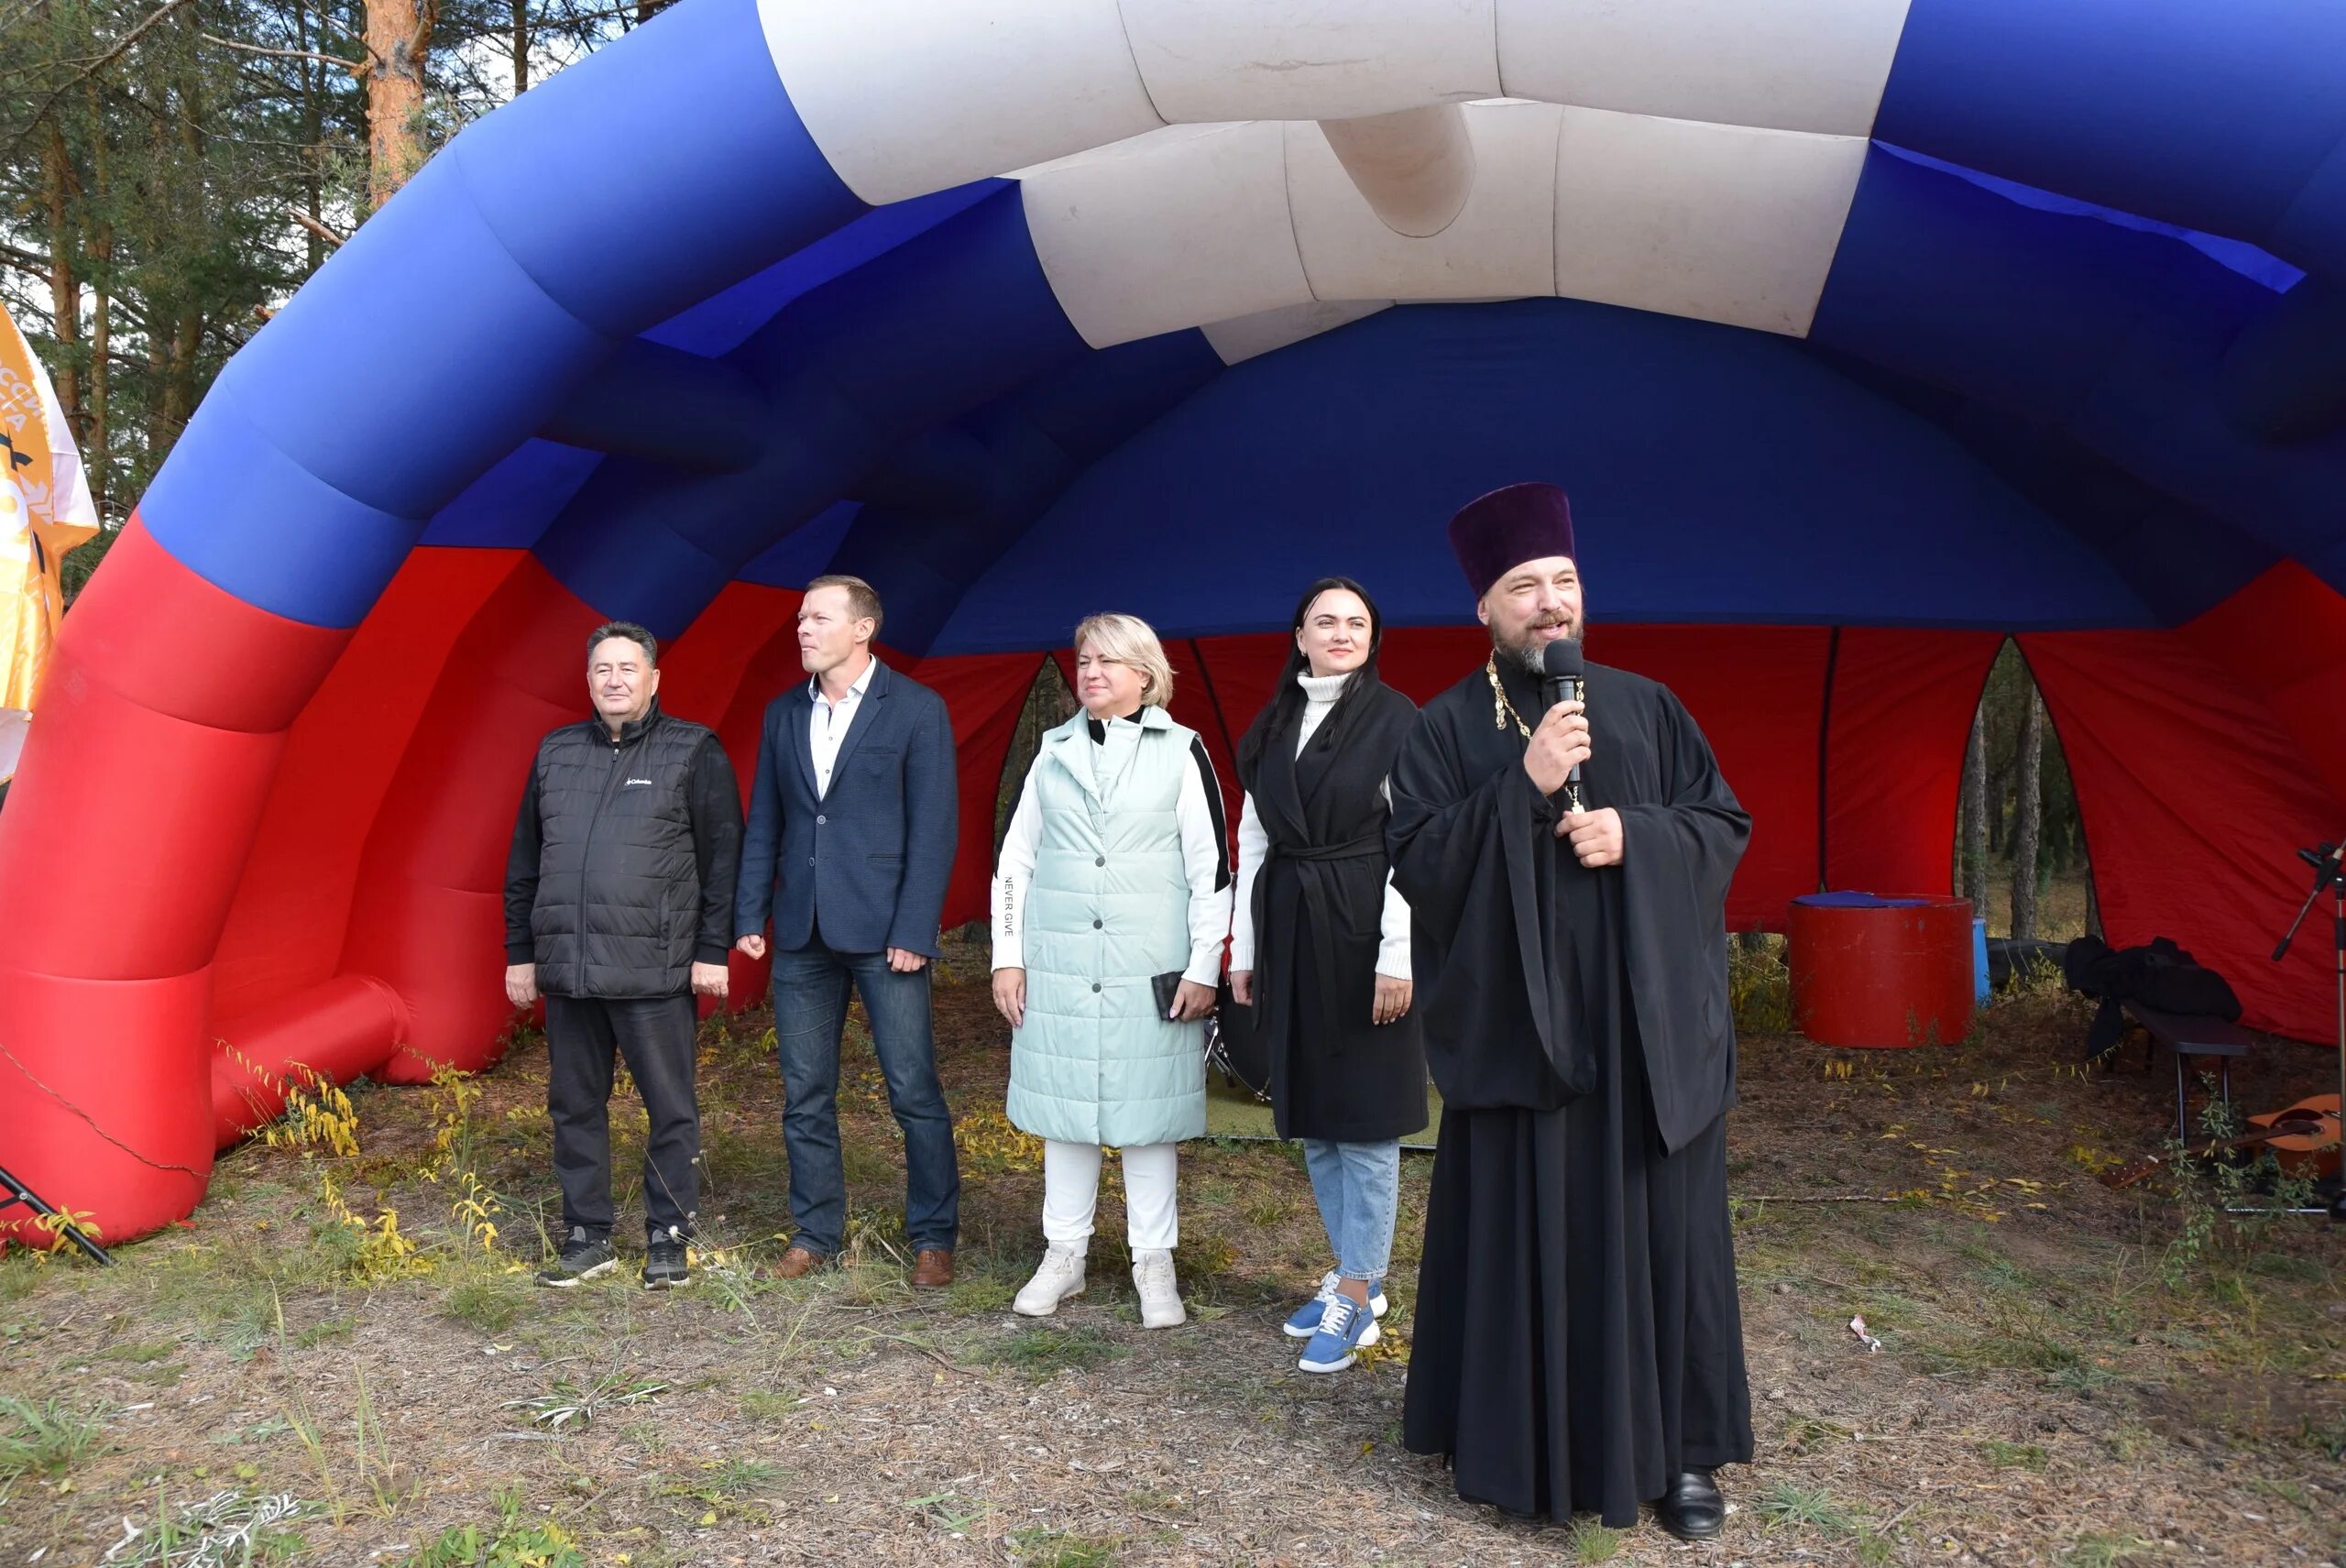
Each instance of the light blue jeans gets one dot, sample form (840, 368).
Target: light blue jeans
(1358, 1186)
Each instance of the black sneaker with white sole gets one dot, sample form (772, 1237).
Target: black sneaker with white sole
(663, 1262)
(583, 1255)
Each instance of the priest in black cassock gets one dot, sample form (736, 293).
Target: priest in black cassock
(1578, 1345)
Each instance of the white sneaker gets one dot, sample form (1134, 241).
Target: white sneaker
(1160, 1299)
(1058, 1276)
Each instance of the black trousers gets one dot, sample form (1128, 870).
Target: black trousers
(655, 1034)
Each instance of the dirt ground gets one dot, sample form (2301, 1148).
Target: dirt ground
(2065, 1374)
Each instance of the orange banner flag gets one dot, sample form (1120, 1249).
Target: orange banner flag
(45, 511)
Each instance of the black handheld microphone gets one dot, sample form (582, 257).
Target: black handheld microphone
(1559, 665)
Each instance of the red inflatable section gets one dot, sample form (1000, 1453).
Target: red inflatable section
(329, 812)
(1884, 714)
(1896, 730)
(167, 703)
(2194, 800)
(2283, 638)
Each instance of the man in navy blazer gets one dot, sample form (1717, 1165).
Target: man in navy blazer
(852, 824)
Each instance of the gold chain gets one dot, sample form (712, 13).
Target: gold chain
(1501, 710)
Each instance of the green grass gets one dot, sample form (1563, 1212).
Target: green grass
(2327, 1438)
(1040, 1548)
(46, 1439)
(736, 1477)
(769, 1407)
(489, 1303)
(1046, 1350)
(1590, 1541)
(2012, 1455)
(1785, 1503)
(2102, 1551)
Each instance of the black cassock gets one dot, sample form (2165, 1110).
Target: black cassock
(1577, 1341)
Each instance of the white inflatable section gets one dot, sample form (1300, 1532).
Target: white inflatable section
(908, 96)
(1311, 60)
(1501, 244)
(1415, 166)
(1192, 225)
(1183, 225)
(1786, 65)
(1273, 330)
(1721, 223)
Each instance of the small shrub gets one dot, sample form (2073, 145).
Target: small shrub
(1046, 1350)
(1037, 1547)
(1783, 1503)
(45, 1438)
(2013, 1455)
(489, 1304)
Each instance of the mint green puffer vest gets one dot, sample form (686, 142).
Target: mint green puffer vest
(1108, 906)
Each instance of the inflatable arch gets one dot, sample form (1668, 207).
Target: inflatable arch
(1864, 333)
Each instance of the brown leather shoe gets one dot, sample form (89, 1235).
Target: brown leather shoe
(933, 1269)
(797, 1263)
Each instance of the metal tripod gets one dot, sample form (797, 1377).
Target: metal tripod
(2329, 863)
(18, 1195)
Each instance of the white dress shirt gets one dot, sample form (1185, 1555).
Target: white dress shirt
(828, 724)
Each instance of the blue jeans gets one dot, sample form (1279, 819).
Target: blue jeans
(1358, 1186)
(810, 992)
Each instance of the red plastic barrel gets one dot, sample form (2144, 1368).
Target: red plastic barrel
(1880, 973)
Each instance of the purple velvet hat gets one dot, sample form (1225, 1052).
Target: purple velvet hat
(1495, 533)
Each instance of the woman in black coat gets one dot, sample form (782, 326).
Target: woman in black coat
(1321, 949)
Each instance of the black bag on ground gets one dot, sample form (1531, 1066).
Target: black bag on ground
(2158, 974)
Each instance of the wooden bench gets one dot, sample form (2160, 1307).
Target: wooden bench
(2197, 1039)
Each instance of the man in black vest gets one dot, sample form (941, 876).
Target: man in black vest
(619, 904)
(852, 823)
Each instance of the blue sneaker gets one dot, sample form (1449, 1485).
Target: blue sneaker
(1306, 1320)
(1344, 1327)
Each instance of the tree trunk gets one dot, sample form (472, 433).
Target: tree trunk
(179, 377)
(64, 286)
(2027, 818)
(1973, 814)
(97, 443)
(314, 152)
(521, 47)
(399, 41)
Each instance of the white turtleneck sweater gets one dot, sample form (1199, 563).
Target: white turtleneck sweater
(1320, 694)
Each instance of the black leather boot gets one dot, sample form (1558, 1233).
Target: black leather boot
(1692, 1509)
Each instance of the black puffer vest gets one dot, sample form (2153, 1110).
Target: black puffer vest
(618, 911)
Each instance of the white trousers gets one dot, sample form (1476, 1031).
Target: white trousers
(1071, 1194)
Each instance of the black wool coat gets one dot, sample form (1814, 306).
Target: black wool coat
(1318, 902)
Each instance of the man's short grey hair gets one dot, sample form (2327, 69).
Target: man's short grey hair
(631, 633)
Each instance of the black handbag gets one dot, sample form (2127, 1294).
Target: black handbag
(1235, 1050)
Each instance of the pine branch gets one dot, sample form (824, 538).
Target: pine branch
(356, 67)
(121, 48)
(29, 262)
(318, 229)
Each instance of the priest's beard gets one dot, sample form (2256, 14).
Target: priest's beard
(1528, 653)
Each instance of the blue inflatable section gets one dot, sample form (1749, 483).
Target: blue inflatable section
(2226, 117)
(2088, 312)
(1719, 476)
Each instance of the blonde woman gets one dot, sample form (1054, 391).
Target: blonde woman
(1111, 901)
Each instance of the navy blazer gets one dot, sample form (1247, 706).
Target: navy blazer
(871, 859)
